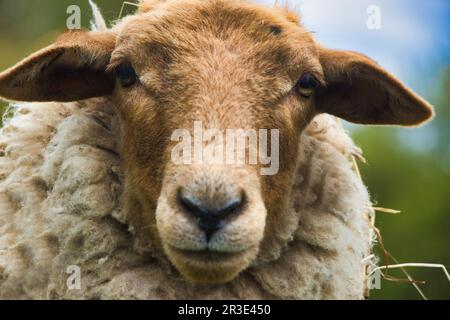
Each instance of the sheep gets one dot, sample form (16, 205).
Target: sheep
(87, 181)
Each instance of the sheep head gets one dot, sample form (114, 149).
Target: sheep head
(179, 66)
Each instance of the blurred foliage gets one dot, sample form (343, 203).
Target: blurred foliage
(409, 172)
(417, 182)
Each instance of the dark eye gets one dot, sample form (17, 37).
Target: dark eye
(126, 74)
(306, 85)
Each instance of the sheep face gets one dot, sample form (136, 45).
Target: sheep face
(211, 65)
(231, 69)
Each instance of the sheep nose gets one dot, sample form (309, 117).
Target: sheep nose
(211, 217)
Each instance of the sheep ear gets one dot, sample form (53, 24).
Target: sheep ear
(360, 91)
(71, 69)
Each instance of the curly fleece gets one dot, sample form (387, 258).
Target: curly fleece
(60, 206)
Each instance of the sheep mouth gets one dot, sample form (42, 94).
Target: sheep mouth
(207, 255)
(209, 267)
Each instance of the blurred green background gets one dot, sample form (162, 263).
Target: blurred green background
(407, 169)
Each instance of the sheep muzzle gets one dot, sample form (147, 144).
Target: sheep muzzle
(210, 222)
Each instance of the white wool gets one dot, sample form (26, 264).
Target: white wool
(60, 187)
(99, 23)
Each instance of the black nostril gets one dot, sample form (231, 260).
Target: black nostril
(210, 226)
(211, 218)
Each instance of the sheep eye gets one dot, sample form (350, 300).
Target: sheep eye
(126, 74)
(306, 85)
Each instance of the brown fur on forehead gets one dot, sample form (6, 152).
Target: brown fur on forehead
(219, 16)
(148, 5)
(282, 9)
(179, 28)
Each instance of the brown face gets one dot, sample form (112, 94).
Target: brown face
(228, 75)
(220, 67)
